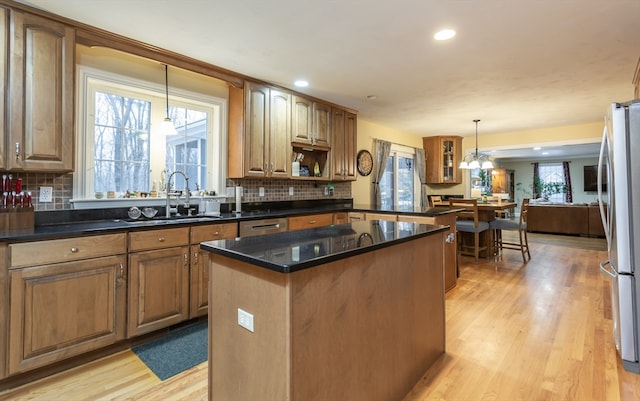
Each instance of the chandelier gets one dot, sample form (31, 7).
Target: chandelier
(476, 160)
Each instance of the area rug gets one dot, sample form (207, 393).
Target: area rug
(176, 352)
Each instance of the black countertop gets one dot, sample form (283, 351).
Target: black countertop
(68, 223)
(292, 251)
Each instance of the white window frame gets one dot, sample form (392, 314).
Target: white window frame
(560, 198)
(90, 79)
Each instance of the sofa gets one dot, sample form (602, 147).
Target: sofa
(567, 219)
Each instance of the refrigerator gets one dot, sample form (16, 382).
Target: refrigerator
(619, 167)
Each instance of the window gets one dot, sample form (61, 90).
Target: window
(551, 177)
(398, 184)
(119, 148)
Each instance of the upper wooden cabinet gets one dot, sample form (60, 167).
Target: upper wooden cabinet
(311, 123)
(444, 154)
(259, 128)
(41, 125)
(343, 151)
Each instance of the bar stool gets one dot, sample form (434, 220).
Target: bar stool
(468, 221)
(498, 225)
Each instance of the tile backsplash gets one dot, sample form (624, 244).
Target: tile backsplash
(62, 184)
(274, 189)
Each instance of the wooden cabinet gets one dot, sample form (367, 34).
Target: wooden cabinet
(450, 247)
(158, 279)
(444, 154)
(311, 123)
(4, 46)
(356, 216)
(340, 218)
(310, 221)
(502, 181)
(199, 275)
(66, 299)
(41, 123)
(343, 150)
(260, 125)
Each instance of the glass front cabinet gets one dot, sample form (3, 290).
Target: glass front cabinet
(443, 158)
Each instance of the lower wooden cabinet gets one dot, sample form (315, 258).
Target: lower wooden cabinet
(65, 309)
(158, 289)
(199, 276)
(450, 246)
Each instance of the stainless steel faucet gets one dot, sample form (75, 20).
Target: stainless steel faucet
(169, 193)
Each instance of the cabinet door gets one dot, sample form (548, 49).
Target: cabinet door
(42, 77)
(443, 159)
(65, 309)
(158, 289)
(256, 149)
(199, 288)
(279, 134)
(321, 124)
(4, 45)
(343, 145)
(302, 120)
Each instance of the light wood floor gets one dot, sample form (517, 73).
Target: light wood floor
(540, 331)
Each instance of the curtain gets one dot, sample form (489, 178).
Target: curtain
(536, 180)
(568, 195)
(420, 159)
(381, 152)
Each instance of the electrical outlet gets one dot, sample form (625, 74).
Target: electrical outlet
(290, 191)
(46, 194)
(261, 191)
(245, 319)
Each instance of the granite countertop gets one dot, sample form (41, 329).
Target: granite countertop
(60, 224)
(416, 210)
(288, 252)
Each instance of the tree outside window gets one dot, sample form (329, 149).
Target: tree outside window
(397, 185)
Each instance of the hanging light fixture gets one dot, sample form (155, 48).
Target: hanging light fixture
(167, 128)
(476, 160)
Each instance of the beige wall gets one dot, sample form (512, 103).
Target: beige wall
(367, 131)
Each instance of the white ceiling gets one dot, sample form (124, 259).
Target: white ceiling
(514, 64)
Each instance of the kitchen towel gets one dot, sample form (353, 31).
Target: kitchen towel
(176, 352)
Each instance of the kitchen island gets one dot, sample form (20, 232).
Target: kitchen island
(344, 312)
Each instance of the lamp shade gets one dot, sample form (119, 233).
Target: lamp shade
(167, 128)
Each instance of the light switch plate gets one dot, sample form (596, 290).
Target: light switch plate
(46, 194)
(261, 191)
(290, 191)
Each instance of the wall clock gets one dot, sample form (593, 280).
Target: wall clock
(365, 162)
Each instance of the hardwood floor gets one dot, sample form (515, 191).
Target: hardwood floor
(540, 331)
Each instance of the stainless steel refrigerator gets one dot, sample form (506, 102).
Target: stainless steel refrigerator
(619, 167)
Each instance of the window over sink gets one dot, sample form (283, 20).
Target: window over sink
(119, 146)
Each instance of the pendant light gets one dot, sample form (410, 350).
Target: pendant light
(167, 128)
(476, 160)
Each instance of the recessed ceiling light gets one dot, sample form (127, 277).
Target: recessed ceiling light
(545, 153)
(372, 97)
(444, 34)
(537, 148)
(301, 83)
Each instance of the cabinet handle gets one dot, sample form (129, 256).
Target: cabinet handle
(216, 234)
(312, 222)
(17, 150)
(161, 239)
(195, 257)
(186, 259)
(272, 168)
(74, 250)
(121, 272)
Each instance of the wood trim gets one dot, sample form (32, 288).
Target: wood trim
(636, 81)
(4, 309)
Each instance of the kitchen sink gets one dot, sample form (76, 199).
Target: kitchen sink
(171, 220)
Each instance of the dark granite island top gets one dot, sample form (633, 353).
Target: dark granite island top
(296, 250)
(357, 315)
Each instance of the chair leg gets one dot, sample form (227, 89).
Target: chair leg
(476, 245)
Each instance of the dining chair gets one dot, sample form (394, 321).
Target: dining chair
(498, 225)
(469, 222)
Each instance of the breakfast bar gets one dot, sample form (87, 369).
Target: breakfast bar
(343, 312)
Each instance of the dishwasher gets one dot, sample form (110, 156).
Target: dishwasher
(262, 227)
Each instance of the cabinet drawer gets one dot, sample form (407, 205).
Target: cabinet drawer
(310, 221)
(65, 250)
(158, 239)
(213, 232)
